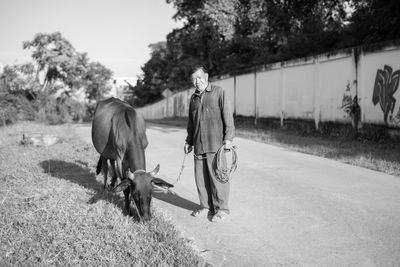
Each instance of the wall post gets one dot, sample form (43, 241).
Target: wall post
(283, 93)
(317, 93)
(234, 95)
(255, 98)
(358, 82)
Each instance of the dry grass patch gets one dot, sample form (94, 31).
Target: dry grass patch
(53, 211)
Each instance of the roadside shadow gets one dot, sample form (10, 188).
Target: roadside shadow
(80, 174)
(176, 200)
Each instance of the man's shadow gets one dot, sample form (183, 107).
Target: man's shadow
(79, 173)
(174, 199)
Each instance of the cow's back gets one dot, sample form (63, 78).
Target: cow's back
(102, 122)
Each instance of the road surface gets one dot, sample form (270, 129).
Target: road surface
(287, 208)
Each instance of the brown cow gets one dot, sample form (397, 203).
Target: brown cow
(119, 135)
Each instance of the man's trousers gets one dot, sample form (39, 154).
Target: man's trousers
(213, 195)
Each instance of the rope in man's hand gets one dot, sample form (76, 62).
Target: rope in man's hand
(222, 173)
(181, 170)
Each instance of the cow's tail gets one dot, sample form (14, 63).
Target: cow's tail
(98, 169)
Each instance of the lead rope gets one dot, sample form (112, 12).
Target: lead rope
(181, 170)
(183, 166)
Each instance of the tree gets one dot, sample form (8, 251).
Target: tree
(62, 63)
(373, 21)
(58, 58)
(19, 78)
(97, 79)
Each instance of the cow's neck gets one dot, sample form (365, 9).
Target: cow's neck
(136, 159)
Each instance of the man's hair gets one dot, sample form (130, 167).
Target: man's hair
(198, 67)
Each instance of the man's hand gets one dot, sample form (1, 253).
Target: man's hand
(188, 148)
(228, 145)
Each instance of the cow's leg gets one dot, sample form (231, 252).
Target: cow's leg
(121, 174)
(127, 202)
(114, 174)
(104, 167)
(118, 168)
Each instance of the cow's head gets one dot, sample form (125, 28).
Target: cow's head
(141, 185)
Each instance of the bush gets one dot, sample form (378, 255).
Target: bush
(59, 110)
(14, 107)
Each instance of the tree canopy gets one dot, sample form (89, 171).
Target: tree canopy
(64, 70)
(57, 58)
(231, 35)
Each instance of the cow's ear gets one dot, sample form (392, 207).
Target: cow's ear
(155, 171)
(122, 186)
(161, 182)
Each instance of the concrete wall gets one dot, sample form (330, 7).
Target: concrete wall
(309, 89)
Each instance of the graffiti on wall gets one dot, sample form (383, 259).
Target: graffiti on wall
(351, 107)
(386, 83)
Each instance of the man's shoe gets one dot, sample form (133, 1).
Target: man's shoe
(219, 216)
(200, 212)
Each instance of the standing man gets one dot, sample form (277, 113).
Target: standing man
(209, 127)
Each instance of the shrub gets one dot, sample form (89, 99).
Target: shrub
(59, 110)
(14, 106)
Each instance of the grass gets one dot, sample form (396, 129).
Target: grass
(383, 156)
(53, 210)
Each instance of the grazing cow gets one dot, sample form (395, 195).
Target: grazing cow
(141, 185)
(119, 135)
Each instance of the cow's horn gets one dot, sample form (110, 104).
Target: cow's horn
(130, 174)
(156, 170)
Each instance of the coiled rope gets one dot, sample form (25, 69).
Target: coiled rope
(222, 173)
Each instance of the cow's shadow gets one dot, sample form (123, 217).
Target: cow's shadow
(79, 173)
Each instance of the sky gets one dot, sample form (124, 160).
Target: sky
(115, 33)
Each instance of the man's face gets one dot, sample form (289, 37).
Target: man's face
(200, 80)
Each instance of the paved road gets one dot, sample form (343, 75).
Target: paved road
(287, 208)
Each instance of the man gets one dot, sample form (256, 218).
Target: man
(210, 126)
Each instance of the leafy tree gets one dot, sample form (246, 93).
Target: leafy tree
(155, 74)
(56, 56)
(97, 79)
(53, 54)
(20, 78)
(373, 21)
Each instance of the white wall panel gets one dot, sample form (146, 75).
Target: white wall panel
(245, 104)
(299, 91)
(269, 93)
(228, 85)
(334, 77)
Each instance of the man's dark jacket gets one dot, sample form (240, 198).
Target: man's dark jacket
(210, 120)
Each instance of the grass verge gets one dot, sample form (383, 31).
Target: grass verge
(383, 156)
(53, 211)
